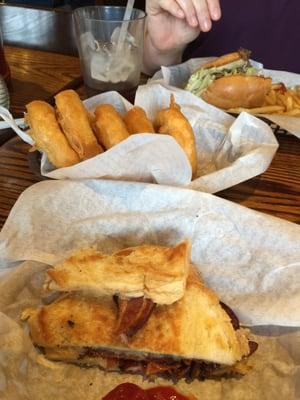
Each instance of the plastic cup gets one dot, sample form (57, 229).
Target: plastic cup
(104, 65)
(4, 68)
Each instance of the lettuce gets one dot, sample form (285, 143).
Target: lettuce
(202, 78)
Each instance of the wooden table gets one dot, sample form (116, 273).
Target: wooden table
(38, 74)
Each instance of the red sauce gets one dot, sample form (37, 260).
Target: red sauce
(129, 391)
(164, 393)
(282, 88)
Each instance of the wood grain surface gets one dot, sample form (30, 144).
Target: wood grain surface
(15, 175)
(275, 192)
(38, 75)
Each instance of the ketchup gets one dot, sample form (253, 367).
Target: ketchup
(164, 393)
(129, 391)
(282, 88)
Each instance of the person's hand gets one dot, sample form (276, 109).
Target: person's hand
(172, 24)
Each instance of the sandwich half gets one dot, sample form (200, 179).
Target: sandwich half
(195, 337)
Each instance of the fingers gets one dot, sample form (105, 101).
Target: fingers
(203, 15)
(171, 6)
(200, 12)
(189, 11)
(214, 9)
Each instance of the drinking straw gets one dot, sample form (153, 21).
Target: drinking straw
(124, 26)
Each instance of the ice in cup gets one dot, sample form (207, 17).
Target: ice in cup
(105, 64)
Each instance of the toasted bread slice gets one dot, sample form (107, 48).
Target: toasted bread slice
(155, 272)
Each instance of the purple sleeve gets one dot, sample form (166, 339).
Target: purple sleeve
(269, 28)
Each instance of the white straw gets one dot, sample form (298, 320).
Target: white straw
(124, 26)
(12, 123)
(5, 125)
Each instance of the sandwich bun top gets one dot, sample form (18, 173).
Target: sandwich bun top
(223, 60)
(158, 273)
(241, 54)
(237, 91)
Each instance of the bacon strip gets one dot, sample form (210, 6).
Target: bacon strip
(133, 314)
(236, 325)
(252, 346)
(233, 318)
(155, 367)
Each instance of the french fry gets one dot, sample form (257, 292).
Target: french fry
(297, 90)
(296, 99)
(295, 112)
(281, 100)
(258, 110)
(271, 98)
(285, 101)
(276, 86)
(289, 102)
(274, 96)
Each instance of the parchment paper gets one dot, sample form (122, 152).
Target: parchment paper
(250, 259)
(229, 151)
(178, 76)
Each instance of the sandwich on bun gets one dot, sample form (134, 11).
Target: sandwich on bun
(230, 81)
